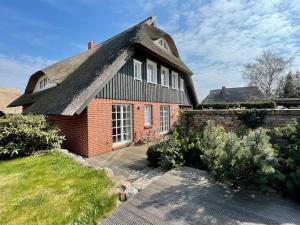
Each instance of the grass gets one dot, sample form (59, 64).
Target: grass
(52, 189)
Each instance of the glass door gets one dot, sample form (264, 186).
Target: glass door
(121, 124)
(164, 119)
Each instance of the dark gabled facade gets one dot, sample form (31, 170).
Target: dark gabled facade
(115, 93)
(124, 86)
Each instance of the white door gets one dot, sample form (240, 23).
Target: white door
(121, 124)
(164, 119)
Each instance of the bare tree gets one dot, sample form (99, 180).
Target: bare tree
(266, 71)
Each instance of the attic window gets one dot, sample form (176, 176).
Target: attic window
(163, 43)
(43, 83)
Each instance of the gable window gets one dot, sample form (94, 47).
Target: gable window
(151, 72)
(163, 43)
(148, 115)
(137, 69)
(175, 80)
(181, 85)
(43, 83)
(164, 76)
(164, 119)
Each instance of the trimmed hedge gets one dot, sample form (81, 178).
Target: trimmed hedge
(247, 105)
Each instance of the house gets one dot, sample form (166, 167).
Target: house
(124, 90)
(7, 95)
(235, 95)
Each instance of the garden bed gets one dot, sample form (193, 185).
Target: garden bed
(52, 189)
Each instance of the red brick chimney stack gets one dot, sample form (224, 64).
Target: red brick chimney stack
(91, 44)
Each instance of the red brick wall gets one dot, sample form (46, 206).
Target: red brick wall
(90, 133)
(99, 114)
(75, 130)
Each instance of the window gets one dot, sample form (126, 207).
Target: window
(164, 119)
(121, 124)
(137, 68)
(147, 115)
(43, 83)
(175, 80)
(164, 76)
(151, 72)
(181, 85)
(163, 44)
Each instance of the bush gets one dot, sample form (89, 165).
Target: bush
(249, 159)
(22, 135)
(289, 159)
(172, 154)
(247, 105)
(191, 147)
(177, 151)
(154, 154)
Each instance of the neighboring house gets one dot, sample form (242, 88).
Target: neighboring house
(232, 95)
(7, 95)
(121, 91)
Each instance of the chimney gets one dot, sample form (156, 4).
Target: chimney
(91, 44)
(223, 91)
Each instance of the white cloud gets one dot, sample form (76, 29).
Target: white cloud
(15, 71)
(215, 38)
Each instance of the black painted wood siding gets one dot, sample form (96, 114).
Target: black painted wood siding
(123, 86)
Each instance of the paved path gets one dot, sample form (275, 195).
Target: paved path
(129, 164)
(189, 197)
(124, 162)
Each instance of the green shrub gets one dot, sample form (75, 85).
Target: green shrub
(154, 154)
(289, 159)
(191, 147)
(172, 154)
(261, 157)
(247, 105)
(22, 135)
(213, 143)
(247, 159)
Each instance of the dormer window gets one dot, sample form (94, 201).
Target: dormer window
(43, 83)
(163, 43)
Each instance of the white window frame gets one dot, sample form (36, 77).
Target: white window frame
(43, 83)
(147, 115)
(161, 42)
(153, 79)
(121, 127)
(139, 70)
(166, 70)
(164, 119)
(174, 80)
(181, 84)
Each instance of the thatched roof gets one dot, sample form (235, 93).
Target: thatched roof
(79, 78)
(238, 94)
(7, 95)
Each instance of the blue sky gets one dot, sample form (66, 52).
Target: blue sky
(214, 38)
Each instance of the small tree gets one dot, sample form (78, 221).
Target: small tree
(289, 86)
(266, 71)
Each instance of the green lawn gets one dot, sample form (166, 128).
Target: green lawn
(52, 189)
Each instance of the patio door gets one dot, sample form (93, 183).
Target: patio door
(121, 124)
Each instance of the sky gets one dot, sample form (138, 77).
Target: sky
(214, 38)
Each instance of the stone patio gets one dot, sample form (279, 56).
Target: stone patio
(188, 196)
(127, 164)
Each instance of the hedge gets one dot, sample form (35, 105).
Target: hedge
(247, 105)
